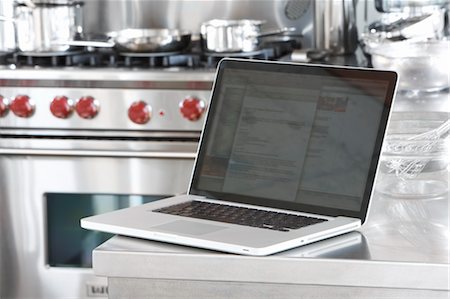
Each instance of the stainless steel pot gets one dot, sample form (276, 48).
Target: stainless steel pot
(39, 24)
(7, 31)
(136, 40)
(335, 26)
(225, 36)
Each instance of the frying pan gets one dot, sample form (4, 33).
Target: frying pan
(138, 40)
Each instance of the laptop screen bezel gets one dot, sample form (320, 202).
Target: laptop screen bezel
(343, 72)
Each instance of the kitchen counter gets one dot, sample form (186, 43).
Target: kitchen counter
(402, 250)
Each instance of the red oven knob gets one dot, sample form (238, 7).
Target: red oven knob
(192, 108)
(139, 112)
(22, 106)
(61, 107)
(87, 107)
(4, 104)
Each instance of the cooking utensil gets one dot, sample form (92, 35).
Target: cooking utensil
(335, 26)
(419, 144)
(423, 26)
(422, 65)
(28, 3)
(413, 161)
(307, 55)
(228, 36)
(38, 25)
(404, 5)
(140, 40)
(7, 30)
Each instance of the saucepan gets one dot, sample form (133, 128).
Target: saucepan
(138, 40)
(37, 24)
(7, 30)
(227, 36)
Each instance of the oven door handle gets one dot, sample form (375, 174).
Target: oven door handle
(98, 153)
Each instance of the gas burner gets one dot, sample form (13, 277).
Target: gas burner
(53, 59)
(160, 59)
(6, 58)
(192, 58)
(149, 55)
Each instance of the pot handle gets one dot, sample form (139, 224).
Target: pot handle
(7, 19)
(82, 43)
(28, 3)
(275, 32)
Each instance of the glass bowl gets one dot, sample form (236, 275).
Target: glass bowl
(422, 65)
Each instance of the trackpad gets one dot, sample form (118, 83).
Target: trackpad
(189, 227)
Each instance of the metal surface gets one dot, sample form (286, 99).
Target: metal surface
(120, 256)
(183, 289)
(7, 30)
(151, 40)
(25, 178)
(138, 40)
(87, 153)
(108, 154)
(38, 28)
(115, 91)
(335, 26)
(401, 251)
(228, 36)
(190, 14)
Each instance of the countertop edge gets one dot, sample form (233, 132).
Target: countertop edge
(281, 270)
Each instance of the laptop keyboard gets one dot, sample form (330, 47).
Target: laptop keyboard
(240, 215)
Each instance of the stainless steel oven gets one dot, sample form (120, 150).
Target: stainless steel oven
(58, 165)
(85, 131)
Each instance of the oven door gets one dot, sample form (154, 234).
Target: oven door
(45, 190)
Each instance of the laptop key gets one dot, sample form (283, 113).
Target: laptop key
(240, 215)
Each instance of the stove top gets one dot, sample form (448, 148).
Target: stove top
(75, 101)
(103, 92)
(85, 57)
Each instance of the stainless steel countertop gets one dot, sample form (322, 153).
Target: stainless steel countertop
(404, 243)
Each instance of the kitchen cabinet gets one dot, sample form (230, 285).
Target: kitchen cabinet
(401, 252)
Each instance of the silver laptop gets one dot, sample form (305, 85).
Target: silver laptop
(287, 157)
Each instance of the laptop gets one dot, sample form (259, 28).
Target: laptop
(288, 156)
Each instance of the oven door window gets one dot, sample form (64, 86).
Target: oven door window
(69, 245)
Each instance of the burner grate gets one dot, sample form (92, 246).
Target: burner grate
(102, 57)
(6, 58)
(50, 59)
(155, 60)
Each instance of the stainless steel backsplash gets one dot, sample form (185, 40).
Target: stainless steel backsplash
(101, 16)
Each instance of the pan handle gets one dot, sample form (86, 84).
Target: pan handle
(275, 32)
(28, 3)
(7, 19)
(82, 43)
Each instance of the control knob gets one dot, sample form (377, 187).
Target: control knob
(22, 106)
(139, 112)
(4, 104)
(192, 108)
(87, 107)
(61, 107)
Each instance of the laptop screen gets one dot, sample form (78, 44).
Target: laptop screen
(293, 136)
